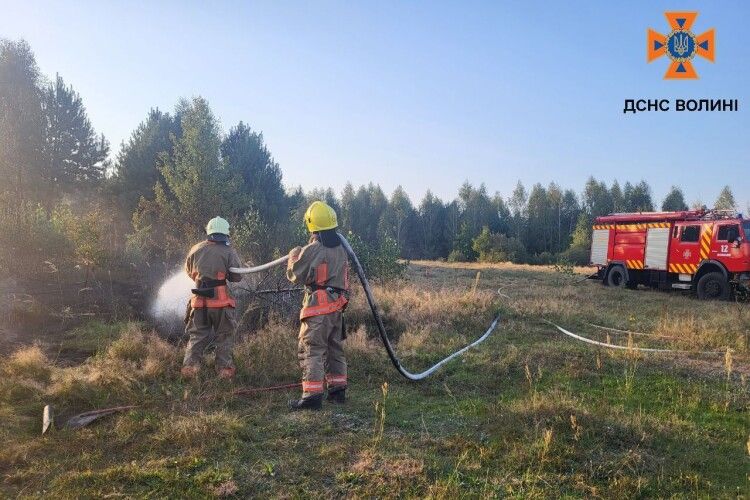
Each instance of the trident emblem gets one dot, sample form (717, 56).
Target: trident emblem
(681, 44)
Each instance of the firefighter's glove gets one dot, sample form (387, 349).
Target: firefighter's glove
(294, 253)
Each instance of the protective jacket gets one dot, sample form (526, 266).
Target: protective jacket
(208, 265)
(325, 273)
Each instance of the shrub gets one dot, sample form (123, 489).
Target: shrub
(33, 240)
(457, 256)
(380, 263)
(542, 259)
(257, 241)
(565, 268)
(577, 254)
(87, 233)
(497, 247)
(29, 240)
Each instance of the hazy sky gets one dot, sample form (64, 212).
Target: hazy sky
(422, 94)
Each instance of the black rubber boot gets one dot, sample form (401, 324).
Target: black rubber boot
(314, 402)
(337, 395)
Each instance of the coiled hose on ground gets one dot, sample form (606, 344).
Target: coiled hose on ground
(376, 314)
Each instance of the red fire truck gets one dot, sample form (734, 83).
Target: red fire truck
(706, 251)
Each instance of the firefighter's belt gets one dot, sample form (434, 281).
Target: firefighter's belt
(206, 287)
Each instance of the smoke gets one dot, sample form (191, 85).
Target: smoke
(171, 301)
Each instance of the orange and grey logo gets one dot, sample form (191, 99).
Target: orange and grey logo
(680, 45)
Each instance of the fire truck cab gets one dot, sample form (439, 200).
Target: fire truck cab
(706, 251)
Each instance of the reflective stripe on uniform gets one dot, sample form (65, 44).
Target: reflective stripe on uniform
(220, 299)
(324, 304)
(312, 386)
(333, 379)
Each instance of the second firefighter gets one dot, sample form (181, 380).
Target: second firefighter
(322, 267)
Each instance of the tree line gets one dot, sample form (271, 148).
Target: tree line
(64, 201)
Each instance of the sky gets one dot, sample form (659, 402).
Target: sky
(425, 95)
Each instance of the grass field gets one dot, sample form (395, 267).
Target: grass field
(529, 413)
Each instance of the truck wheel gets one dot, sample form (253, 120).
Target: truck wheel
(617, 277)
(713, 286)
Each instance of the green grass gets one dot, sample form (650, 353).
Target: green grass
(88, 339)
(530, 413)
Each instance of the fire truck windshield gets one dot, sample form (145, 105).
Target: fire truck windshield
(746, 228)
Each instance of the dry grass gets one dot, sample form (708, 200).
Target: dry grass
(199, 428)
(29, 363)
(495, 266)
(528, 414)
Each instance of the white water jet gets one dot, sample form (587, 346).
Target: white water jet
(171, 301)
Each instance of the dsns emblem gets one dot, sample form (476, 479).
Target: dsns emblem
(680, 45)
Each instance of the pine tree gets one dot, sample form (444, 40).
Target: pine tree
(399, 219)
(726, 200)
(638, 197)
(674, 201)
(539, 221)
(22, 165)
(196, 187)
(434, 242)
(76, 155)
(618, 200)
(244, 152)
(347, 207)
(517, 205)
(555, 202)
(597, 199)
(502, 214)
(570, 211)
(477, 208)
(371, 224)
(137, 168)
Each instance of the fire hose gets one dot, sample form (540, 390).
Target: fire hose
(376, 314)
(628, 348)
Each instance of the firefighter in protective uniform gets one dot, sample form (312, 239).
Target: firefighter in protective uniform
(211, 311)
(322, 267)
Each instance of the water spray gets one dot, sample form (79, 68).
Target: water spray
(172, 298)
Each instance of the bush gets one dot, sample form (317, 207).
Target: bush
(29, 240)
(87, 234)
(249, 237)
(496, 247)
(257, 241)
(33, 240)
(542, 259)
(577, 254)
(380, 263)
(457, 256)
(565, 268)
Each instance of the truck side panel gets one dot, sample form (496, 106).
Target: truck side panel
(657, 247)
(600, 244)
(689, 246)
(629, 246)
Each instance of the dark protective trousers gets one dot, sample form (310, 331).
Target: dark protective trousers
(206, 325)
(321, 352)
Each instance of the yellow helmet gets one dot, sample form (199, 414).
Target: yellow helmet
(320, 217)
